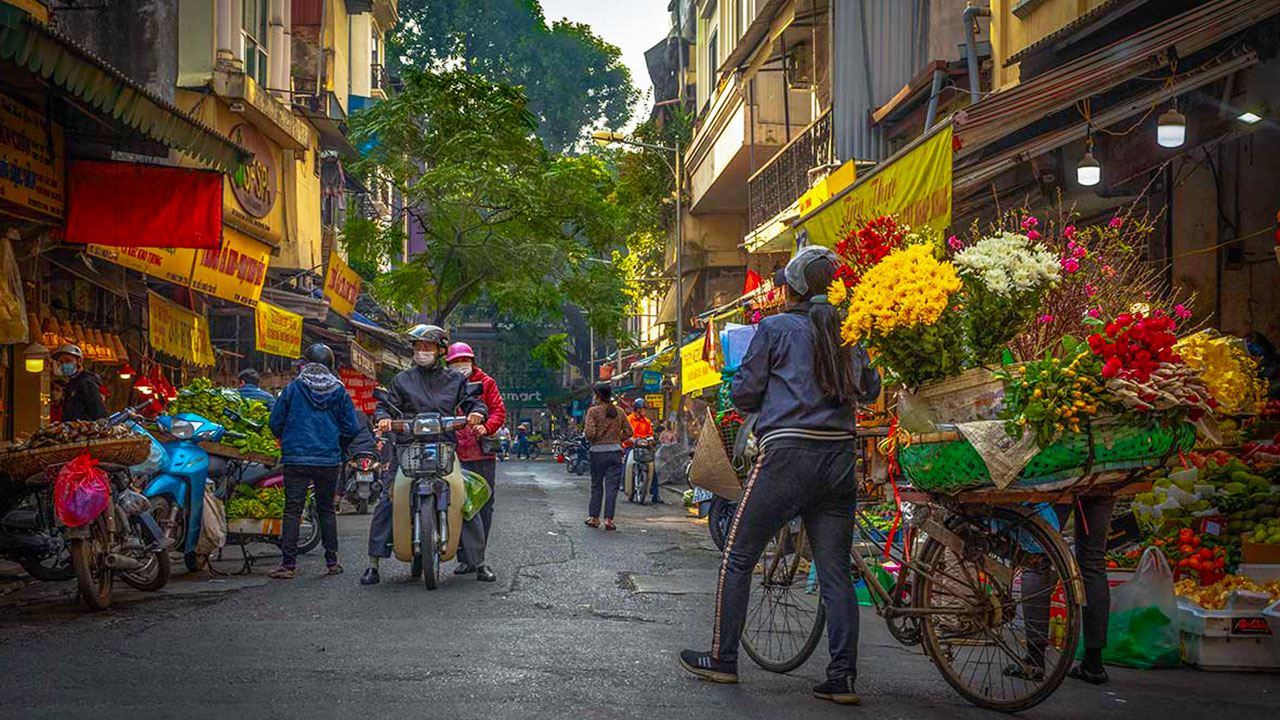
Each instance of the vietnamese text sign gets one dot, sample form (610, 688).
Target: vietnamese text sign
(277, 331)
(695, 373)
(235, 271)
(169, 264)
(652, 380)
(175, 330)
(32, 159)
(363, 361)
(915, 189)
(341, 286)
(654, 401)
(360, 388)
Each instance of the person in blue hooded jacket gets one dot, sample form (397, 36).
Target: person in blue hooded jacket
(315, 421)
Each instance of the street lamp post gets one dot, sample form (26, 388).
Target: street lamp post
(606, 137)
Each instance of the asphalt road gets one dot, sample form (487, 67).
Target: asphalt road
(580, 623)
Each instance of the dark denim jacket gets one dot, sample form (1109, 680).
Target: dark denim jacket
(777, 381)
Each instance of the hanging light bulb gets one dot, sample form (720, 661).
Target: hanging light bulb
(1171, 128)
(33, 357)
(1088, 172)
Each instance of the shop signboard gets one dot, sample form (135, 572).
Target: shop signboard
(363, 361)
(32, 160)
(360, 388)
(341, 286)
(176, 331)
(277, 331)
(257, 193)
(235, 271)
(168, 264)
(695, 373)
(523, 396)
(651, 379)
(914, 187)
(654, 400)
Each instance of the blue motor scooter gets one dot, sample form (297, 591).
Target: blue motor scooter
(178, 487)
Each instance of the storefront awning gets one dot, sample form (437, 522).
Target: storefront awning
(133, 205)
(93, 83)
(1004, 113)
(667, 310)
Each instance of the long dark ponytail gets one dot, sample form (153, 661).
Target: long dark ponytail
(832, 365)
(604, 394)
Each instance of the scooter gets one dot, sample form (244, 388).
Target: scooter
(363, 484)
(579, 455)
(638, 472)
(30, 535)
(428, 493)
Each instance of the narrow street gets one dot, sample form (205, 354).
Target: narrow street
(580, 622)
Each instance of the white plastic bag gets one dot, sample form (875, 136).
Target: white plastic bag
(213, 525)
(1142, 630)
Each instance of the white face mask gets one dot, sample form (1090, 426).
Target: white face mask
(424, 358)
(464, 368)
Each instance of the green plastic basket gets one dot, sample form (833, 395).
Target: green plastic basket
(953, 466)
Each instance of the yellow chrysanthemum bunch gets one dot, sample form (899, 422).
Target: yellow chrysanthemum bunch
(908, 288)
(1226, 368)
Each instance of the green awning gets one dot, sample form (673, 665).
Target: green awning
(100, 87)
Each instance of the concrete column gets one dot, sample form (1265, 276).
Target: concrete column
(227, 33)
(277, 74)
(286, 55)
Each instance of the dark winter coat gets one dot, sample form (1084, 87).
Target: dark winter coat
(82, 398)
(429, 390)
(314, 419)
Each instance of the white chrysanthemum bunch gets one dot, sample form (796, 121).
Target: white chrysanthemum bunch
(1009, 264)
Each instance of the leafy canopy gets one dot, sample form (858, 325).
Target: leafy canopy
(502, 218)
(574, 79)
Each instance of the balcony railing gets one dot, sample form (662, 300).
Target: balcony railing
(787, 175)
(379, 79)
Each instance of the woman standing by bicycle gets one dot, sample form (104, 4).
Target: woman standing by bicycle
(805, 385)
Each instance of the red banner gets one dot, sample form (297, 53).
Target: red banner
(360, 388)
(131, 205)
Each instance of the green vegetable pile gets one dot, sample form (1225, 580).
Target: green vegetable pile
(257, 503)
(202, 398)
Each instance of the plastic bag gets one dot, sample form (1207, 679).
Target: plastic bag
(13, 308)
(81, 491)
(213, 525)
(1141, 631)
(478, 494)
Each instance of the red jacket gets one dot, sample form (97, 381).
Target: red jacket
(468, 441)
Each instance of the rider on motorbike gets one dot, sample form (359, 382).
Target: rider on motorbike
(642, 429)
(429, 386)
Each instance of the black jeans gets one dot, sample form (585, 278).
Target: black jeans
(606, 478)
(1092, 525)
(487, 470)
(815, 480)
(297, 479)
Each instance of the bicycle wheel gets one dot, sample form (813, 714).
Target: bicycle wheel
(785, 615)
(986, 649)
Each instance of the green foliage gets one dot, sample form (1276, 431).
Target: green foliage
(552, 352)
(503, 219)
(575, 80)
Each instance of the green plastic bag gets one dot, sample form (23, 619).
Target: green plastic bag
(1141, 630)
(477, 494)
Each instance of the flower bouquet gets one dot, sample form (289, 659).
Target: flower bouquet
(864, 247)
(901, 309)
(1005, 277)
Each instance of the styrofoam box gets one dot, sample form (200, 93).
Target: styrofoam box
(1234, 640)
(1259, 573)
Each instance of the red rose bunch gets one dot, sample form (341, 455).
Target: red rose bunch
(1132, 346)
(863, 248)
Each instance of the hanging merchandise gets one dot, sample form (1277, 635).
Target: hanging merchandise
(13, 309)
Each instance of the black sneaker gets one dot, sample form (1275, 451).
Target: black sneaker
(485, 574)
(838, 690)
(1093, 677)
(464, 569)
(370, 577)
(708, 668)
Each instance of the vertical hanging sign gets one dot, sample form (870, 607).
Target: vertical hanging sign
(341, 286)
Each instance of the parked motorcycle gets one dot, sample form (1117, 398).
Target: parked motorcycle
(428, 492)
(579, 456)
(29, 533)
(362, 484)
(637, 477)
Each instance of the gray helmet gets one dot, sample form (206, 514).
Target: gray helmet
(639, 403)
(73, 350)
(433, 334)
(794, 272)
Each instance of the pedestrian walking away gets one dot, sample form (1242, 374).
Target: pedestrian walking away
(477, 452)
(427, 387)
(315, 421)
(606, 429)
(805, 385)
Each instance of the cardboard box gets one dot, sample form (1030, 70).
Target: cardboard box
(1256, 554)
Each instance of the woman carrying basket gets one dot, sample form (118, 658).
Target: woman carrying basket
(805, 385)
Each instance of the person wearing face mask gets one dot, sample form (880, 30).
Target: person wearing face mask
(426, 387)
(82, 397)
(478, 453)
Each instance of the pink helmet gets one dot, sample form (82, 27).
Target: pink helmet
(459, 350)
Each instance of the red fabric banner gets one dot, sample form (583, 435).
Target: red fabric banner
(131, 205)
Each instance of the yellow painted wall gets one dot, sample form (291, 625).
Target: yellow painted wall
(302, 188)
(1010, 34)
(338, 37)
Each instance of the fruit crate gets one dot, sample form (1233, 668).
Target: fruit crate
(254, 526)
(1259, 554)
(1227, 640)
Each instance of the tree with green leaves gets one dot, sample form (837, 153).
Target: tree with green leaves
(503, 219)
(574, 80)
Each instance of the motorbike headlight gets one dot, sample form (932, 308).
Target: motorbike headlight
(426, 426)
(182, 429)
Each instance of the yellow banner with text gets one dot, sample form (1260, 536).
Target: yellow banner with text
(341, 286)
(277, 331)
(168, 264)
(175, 330)
(695, 373)
(915, 188)
(235, 271)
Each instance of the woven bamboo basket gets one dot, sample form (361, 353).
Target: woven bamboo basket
(24, 464)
